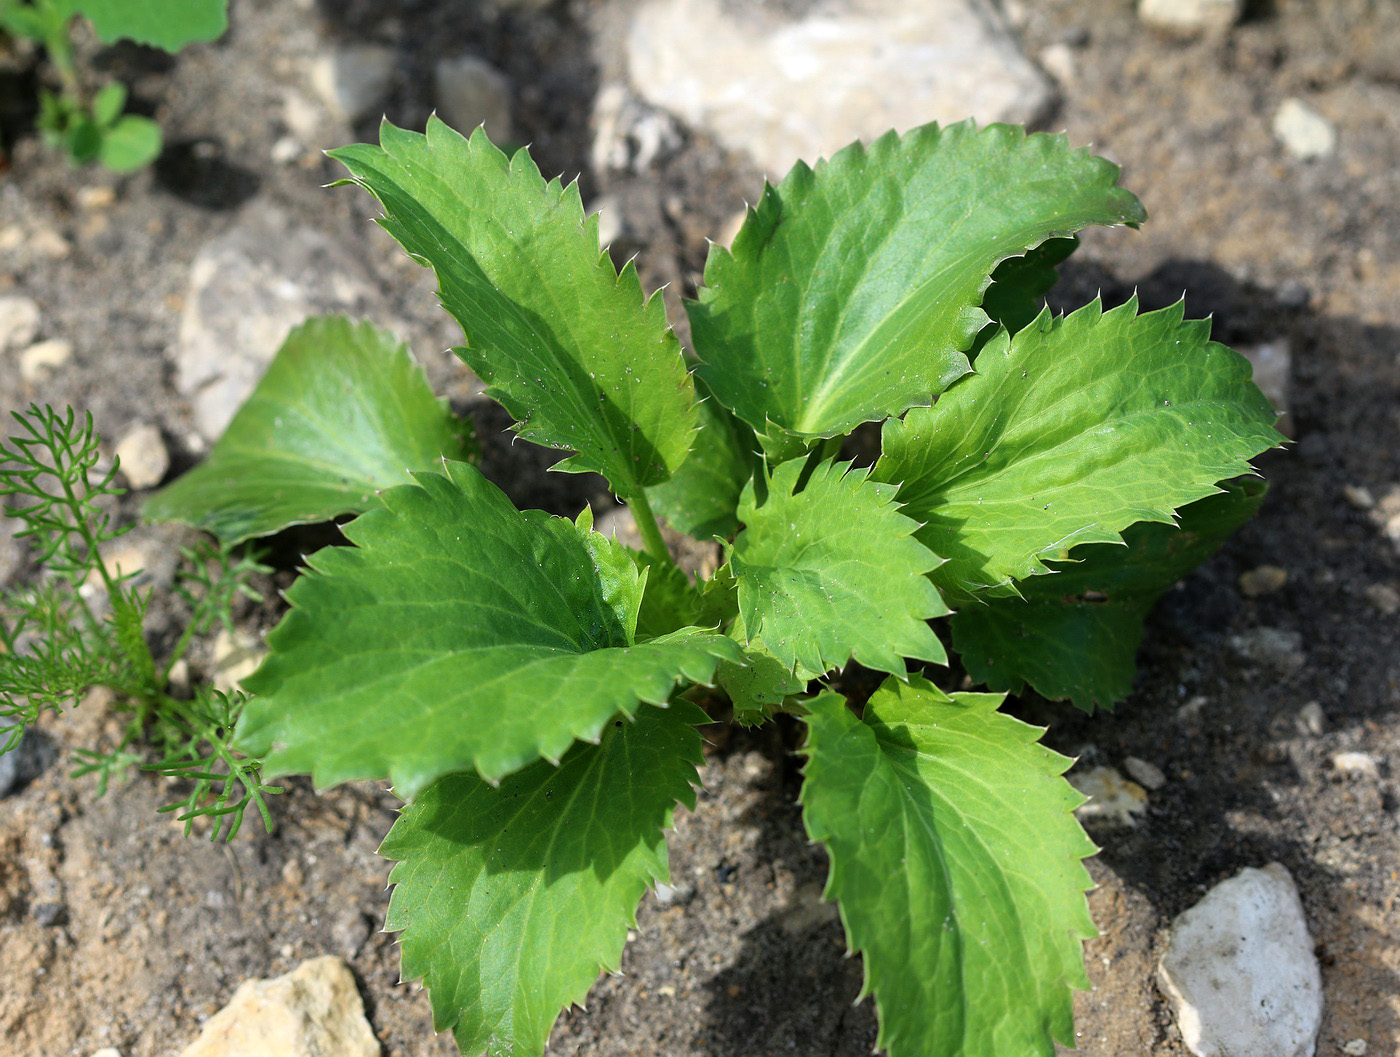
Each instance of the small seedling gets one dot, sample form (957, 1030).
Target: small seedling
(79, 626)
(94, 127)
(529, 686)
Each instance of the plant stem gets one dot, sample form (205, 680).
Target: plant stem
(650, 530)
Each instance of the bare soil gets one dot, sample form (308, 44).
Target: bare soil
(156, 930)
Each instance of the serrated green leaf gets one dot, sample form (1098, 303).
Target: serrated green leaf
(165, 24)
(342, 413)
(1068, 433)
(670, 601)
(1074, 634)
(955, 858)
(512, 899)
(702, 498)
(569, 347)
(458, 634)
(758, 685)
(833, 571)
(853, 289)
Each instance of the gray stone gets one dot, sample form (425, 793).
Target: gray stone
(1304, 132)
(49, 915)
(1240, 972)
(1190, 16)
(674, 895)
(472, 92)
(1275, 647)
(803, 87)
(19, 322)
(313, 1011)
(353, 81)
(629, 134)
(248, 288)
(26, 761)
(1272, 367)
(1111, 797)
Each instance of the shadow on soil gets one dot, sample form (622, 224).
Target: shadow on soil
(1245, 776)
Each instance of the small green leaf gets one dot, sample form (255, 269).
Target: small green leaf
(702, 497)
(512, 899)
(757, 685)
(459, 634)
(833, 571)
(165, 24)
(955, 857)
(342, 413)
(108, 103)
(570, 347)
(1075, 632)
(1068, 433)
(670, 601)
(132, 143)
(853, 289)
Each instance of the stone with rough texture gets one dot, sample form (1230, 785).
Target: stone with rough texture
(1240, 972)
(472, 92)
(1191, 16)
(785, 89)
(312, 1011)
(248, 288)
(353, 81)
(43, 358)
(1304, 132)
(143, 456)
(19, 322)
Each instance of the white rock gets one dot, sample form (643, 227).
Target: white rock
(611, 223)
(471, 92)
(1112, 797)
(44, 357)
(1355, 1048)
(1060, 62)
(784, 89)
(1148, 775)
(353, 81)
(143, 456)
(1240, 972)
(313, 1011)
(1356, 764)
(1311, 720)
(236, 656)
(629, 135)
(19, 322)
(1190, 16)
(1303, 131)
(248, 288)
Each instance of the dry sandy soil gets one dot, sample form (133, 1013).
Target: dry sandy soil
(157, 930)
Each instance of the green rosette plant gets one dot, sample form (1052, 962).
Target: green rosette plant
(528, 685)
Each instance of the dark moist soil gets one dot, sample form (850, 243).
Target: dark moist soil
(116, 930)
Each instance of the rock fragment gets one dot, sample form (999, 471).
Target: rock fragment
(472, 92)
(1240, 973)
(289, 271)
(236, 656)
(1146, 774)
(143, 456)
(313, 1011)
(1263, 580)
(1112, 798)
(19, 322)
(1272, 366)
(784, 88)
(1190, 16)
(1355, 765)
(1277, 648)
(353, 81)
(1304, 132)
(43, 358)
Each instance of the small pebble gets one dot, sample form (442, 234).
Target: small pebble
(95, 198)
(611, 224)
(107, 1051)
(1384, 597)
(49, 914)
(1355, 1048)
(19, 322)
(1358, 496)
(1112, 798)
(1060, 62)
(1190, 16)
(236, 656)
(675, 895)
(44, 357)
(286, 151)
(1147, 775)
(49, 243)
(1293, 294)
(1279, 649)
(1310, 721)
(1356, 765)
(143, 456)
(1304, 132)
(1264, 580)
(472, 92)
